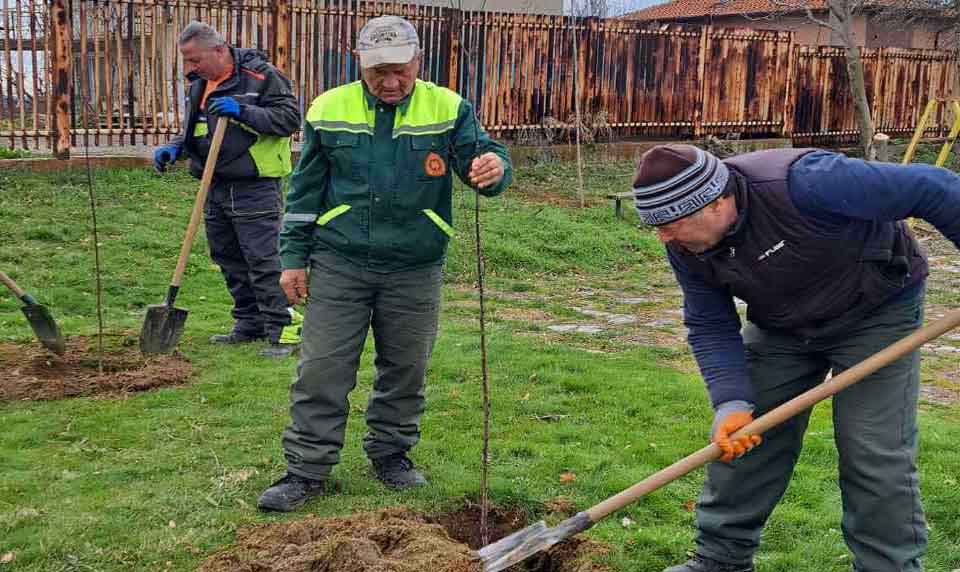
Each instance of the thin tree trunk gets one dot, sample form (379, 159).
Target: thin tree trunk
(841, 9)
(576, 105)
(860, 102)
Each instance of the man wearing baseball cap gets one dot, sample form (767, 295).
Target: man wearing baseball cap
(815, 244)
(365, 233)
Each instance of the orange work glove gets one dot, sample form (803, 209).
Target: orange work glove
(728, 425)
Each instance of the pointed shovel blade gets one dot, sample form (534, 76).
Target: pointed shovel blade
(535, 538)
(512, 549)
(162, 329)
(45, 327)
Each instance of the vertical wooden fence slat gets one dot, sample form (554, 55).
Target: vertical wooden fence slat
(8, 40)
(156, 81)
(125, 92)
(62, 43)
(698, 116)
(35, 46)
(21, 100)
(789, 93)
(140, 112)
(281, 28)
(82, 70)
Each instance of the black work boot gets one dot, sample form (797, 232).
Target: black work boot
(397, 472)
(236, 338)
(290, 493)
(698, 563)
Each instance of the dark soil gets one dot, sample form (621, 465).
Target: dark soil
(464, 525)
(392, 540)
(29, 372)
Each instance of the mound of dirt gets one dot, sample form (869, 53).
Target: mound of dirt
(392, 540)
(395, 540)
(32, 373)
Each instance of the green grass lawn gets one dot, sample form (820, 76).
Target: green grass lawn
(159, 480)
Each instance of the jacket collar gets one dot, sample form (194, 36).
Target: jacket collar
(734, 235)
(373, 100)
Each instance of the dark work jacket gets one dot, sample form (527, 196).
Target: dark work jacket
(812, 277)
(257, 144)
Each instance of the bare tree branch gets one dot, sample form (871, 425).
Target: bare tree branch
(818, 21)
(840, 21)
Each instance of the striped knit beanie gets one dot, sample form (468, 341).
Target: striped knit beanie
(674, 181)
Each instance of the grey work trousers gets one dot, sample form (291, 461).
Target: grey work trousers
(345, 301)
(242, 220)
(875, 429)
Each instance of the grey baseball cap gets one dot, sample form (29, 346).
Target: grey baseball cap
(387, 40)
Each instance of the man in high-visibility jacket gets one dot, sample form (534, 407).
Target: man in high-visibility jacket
(242, 212)
(369, 213)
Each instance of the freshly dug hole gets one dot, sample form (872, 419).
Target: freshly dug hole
(392, 540)
(32, 373)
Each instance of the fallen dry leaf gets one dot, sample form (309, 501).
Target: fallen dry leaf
(8, 557)
(568, 477)
(172, 524)
(689, 505)
(561, 505)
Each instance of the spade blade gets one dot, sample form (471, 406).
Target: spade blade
(45, 327)
(162, 329)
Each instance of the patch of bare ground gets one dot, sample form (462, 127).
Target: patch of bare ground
(32, 373)
(939, 395)
(529, 315)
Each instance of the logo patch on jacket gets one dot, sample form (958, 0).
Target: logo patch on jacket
(434, 165)
(771, 250)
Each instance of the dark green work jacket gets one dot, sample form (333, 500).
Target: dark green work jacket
(374, 182)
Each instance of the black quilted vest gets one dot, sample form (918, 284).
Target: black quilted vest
(807, 276)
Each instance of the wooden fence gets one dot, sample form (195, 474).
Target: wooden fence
(899, 83)
(107, 72)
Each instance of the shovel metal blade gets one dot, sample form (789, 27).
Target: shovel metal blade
(162, 329)
(524, 543)
(515, 548)
(45, 327)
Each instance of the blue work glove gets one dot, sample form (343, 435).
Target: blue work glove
(165, 155)
(224, 106)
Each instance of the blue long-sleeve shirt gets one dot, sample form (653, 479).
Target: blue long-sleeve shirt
(822, 185)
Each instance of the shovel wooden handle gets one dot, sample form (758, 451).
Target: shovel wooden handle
(782, 413)
(9, 283)
(198, 203)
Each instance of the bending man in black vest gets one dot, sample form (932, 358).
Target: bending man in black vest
(814, 243)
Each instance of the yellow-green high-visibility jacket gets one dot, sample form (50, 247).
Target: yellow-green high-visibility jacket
(374, 182)
(256, 144)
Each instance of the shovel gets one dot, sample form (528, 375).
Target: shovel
(525, 543)
(164, 323)
(39, 317)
